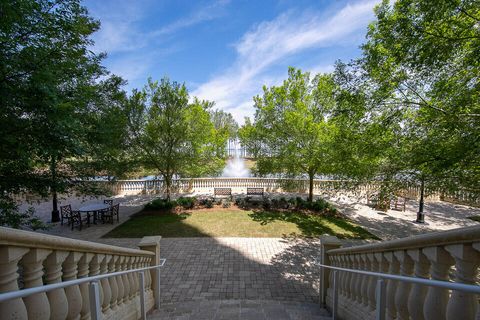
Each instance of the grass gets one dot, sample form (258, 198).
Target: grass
(474, 218)
(234, 222)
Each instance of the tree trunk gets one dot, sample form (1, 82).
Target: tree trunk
(53, 189)
(168, 185)
(310, 187)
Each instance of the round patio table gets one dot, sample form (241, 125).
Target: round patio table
(95, 209)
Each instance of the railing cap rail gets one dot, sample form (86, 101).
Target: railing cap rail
(427, 282)
(455, 236)
(22, 238)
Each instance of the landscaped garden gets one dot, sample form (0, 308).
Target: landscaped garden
(245, 217)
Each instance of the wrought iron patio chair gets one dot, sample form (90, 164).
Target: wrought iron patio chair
(65, 214)
(76, 219)
(110, 214)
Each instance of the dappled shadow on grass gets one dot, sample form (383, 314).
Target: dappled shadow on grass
(314, 225)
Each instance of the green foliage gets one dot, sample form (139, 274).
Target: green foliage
(208, 203)
(420, 68)
(226, 204)
(294, 133)
(11, 217)
(171, 135)
(161, 204)
(225, 123)
(187, 202)
(51, 95)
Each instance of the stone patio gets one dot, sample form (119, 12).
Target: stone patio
(240, 309)
(257, 278)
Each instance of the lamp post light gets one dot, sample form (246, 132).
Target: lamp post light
(420, 214)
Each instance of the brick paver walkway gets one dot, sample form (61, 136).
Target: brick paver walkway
(239, 268)
(240, 309)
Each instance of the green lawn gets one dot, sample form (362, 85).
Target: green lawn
(237, 223)
(474, 218)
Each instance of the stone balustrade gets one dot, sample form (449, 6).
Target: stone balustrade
(29, 259)
(322, 187)
(239, 185)
(452, 255)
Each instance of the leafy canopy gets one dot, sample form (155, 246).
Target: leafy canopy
(171, 135)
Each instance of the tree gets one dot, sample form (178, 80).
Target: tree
(171, 135)
(292, 133)
(419, 72)
(224, 121)
(49, 85)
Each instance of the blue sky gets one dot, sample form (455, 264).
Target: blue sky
(225, 51)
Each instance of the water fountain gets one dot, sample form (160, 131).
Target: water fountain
(235, 167)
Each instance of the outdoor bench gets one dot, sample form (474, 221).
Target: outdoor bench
(255, 192)
(222, 192)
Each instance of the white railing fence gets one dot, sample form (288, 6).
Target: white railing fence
(321, 187)
(57, 271)
(431, 276)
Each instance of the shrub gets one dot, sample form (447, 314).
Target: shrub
(187, 202)
(283, 203)
(208, 203)
(300, 203)
(267, 204)
(160, 204)
(240, 202)
(226, 204)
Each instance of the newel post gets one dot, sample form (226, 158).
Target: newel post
(326, 243)
(152, 244)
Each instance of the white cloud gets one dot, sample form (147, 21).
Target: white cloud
(270, 42)
(120, 30)
(209, 12)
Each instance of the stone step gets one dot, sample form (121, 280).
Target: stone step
(240, 309)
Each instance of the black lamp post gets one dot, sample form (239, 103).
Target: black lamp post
(420, 214)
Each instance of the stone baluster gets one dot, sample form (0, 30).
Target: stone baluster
(57, 298)
(120, 285)
(149, 274)
(393, 268)
(105, 283)
(476, 246)
(372, 281)
(131, 282)
(437, 298)
(125, 281)
(418, 293)
(353, 278)
(74, 296)
(359, 279)
(365, 279)
(113, 284)
(136, 265)
(9, 258)
(341, 276)
(348, 277)
(403, 287)
(463, 305)
(37, 305)
(88, 266)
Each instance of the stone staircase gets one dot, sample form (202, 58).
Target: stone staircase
(240, 309)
